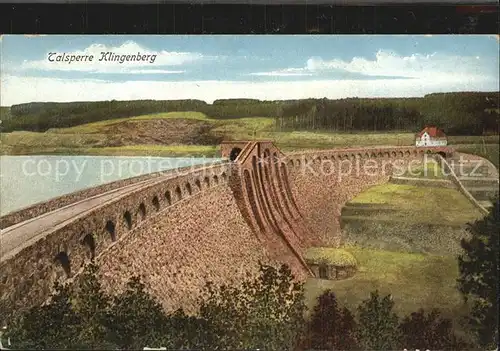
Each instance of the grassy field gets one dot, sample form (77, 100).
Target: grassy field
(330, 255)
(488, 151)
(405, 240)
(52, 140)
(155, 150)
(414, 280)
(408, 218)
(418, 204)
(98, 137)
(101, 126)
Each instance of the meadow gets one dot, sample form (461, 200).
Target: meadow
(112, 137)
(417, 204)
(406, 240)
(414, 280)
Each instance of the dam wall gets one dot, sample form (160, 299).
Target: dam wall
(219, 235)
(200, 239)
(28, 272)
(323, 182)
(213, 223)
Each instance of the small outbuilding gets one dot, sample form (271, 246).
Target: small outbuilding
(330, 263)
(431, 136)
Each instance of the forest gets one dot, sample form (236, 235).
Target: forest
(462, 113)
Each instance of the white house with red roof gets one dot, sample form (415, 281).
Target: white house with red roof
(431, 136)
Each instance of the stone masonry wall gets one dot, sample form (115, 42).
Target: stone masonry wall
(324, 181)
(28, 274)
(203, 238)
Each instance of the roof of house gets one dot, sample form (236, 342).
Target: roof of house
(434, 132)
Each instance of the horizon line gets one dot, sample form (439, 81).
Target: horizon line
(258, 100)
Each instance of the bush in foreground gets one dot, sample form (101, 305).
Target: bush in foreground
(332, 327)
(266, 312)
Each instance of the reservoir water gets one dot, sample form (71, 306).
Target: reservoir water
(26, 180)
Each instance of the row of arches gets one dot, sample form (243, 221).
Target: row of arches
(297, 162)
(89, 240)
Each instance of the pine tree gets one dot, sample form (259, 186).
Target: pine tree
(331, 327)
(429, 332)
(378, 324)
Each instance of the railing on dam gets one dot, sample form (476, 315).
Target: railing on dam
(298, 158)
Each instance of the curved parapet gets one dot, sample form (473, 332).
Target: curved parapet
(298, 158)
(38, 209)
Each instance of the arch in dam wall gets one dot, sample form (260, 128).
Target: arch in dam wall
(226, 147)
(27, 274)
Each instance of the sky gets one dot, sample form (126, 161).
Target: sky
(228, 66)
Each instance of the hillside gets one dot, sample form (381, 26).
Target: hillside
(463, 113)
(189, 133)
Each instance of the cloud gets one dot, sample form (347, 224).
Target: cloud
(17, 90)
(151, 64)
(153, 71)
(289, 72)
(390, 64)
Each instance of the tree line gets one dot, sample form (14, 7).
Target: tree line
(266, 312)
(465, 113)
(456, 113)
